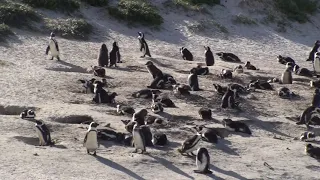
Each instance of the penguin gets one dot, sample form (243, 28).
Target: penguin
(128, 125)
(286, 77)
(285, 93)
(314, 50)
(190, 144)
(181, 89)
(220, 89)
(236, 126)
(307, 115)
(27, 113)
(208, 134)
(186, 54)
(315, 83)
(114, 55)
(193, 80)
(209, 58)
(101, 95)
(146, 131)
(284, 60)
(103, 56)
(238, 69)
(203, 161)
(156, 107)
(316, 98)
(145, 93)
(239, 88)
(205, 113)
(53, 47)
(91, 139)
(273, 80)
(143, 45)
(302, 71)
(98, 71)
(169, 79)
(307, 136)
(249, 66)
(229, 57)
(228, 99)
(109, 135)
(257, 84)
(138, 139)
(43, 134)
(159, 139)
(202, 70)
(164, 100)
(226, 74)
(88, 85)
(157, 83)
(153, 70)
(316, 63)
(125, 110)
(313, 151)
(139, 116)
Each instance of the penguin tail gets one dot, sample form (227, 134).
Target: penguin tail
(208, 171)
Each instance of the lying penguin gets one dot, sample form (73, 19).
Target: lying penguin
(236, 126)
(201, 70)
(313, 151)
(302, 71)
(285, 93)
(229, 57)
(27, 114)
(145, 93)
(307, 136)
(125, 110)
(238, 69)
(284, 59)
(205, 113)
(190, 144)
(226, 74)
(249, 66)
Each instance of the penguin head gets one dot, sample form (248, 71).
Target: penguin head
(149, 63)
(52, 35)
(226, 122)
(93, 125)
(103, 46)
(115, 44)
(193, 71)
(247, 64)
(309, 146)
(39, 122)
(317, 91)
(141, 35)
(220, 54)
(295, 68)
(97, 86)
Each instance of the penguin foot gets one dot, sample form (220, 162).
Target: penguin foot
(95, 153)
(88, 152)
(51, 58)
(135, 151)
(203, 172)
(142, 56)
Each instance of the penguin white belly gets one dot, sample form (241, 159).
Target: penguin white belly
(192, 149)
(41, 140)
(316, 64)
(92, 142)
(138, 141)
(53, 49)
(285, 78)
(202, 165)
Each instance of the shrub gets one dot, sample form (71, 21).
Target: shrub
(5, 31)
(193, 4)
(15, 14)
(241, 19)
(297, 10)
(97, 3)
(136, 11)
(203, 25)
(60, 5)
(70, 28)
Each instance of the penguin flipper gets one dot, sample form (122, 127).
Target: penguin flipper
(85, 139)
(47, 50)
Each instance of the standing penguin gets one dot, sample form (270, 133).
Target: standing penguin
(143, 45)
(314, 50)
(186, 54)
(228, 99)
(53, 47)
(114, 55)
(193, 80)
(138, 139)
(203, 161)
(91, 139)
(316, 63)
(153, 70)
(209, 56)
(43, 134)
(103, 56)
(316, 98)
(286, 77)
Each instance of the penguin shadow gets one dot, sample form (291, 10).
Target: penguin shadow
(130, 69)
(35, 141)
(301, 79)
(228, 173)
(72, 68)
(169, 165)
(223, 146)
(118, 167)
(313, 168)
(170, 146)
(160, 63)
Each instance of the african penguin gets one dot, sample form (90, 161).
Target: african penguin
(228, 99)
(316, 98)
(125, 110)
(202, 70)
(53, 47)
(236, 126)
(43, 134)
(226, 74)
(285, 93)
(302, 71)
(205, 113)
(181, 89)
(157, 83)
(193, 80)
(314, 50)
(91, 138)
(138, 139)
(98, 71)
(159, 139)
(203, 161)
(229, 57)
(114, 55)
(27, 113)
(257, 84)
(143, 45)
(220, 89)
(190, 144)
(316, 63)
(313, 151)
(88, 85)
(238, 69)
(145, 93)
(284, 59)
(103, 58)
(139, 116)
(307, 136)
(208, 134)
(307, 115)
(153, 70)
(186, 54)
(164, 100)
(209, 58)
(249, 66)
(156, 107)
(315, 83)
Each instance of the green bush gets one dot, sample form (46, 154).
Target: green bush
(70, 28)
(97, 3)
(197, 2)
(5, 31)
(241, 19)
(136, 11)
(297, 10)
(60, 5)
(15, 14)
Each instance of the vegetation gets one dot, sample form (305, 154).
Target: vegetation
(297, 10)
(192, 4)
(16, 14)
(97, 3)
(5, 31)
(136, 11)
(204, 25)
(241, 19)
(60, 5)
(70, 28)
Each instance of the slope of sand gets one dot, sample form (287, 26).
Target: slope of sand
(29, 79)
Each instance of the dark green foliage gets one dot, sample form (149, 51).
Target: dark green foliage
(199, 2)
(70, 28)
(60, 5)
(5, 31)
(297, 10)
(97, 3)
(15, 14)
(136, 11)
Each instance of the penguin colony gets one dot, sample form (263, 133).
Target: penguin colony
(140, 136)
